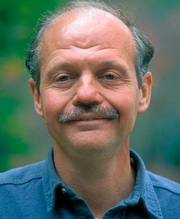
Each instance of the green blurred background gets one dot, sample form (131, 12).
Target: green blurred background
(23, 136)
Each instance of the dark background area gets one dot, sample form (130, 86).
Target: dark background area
(23, 136)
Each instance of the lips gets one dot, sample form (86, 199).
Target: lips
(87, 118)
(88, 114)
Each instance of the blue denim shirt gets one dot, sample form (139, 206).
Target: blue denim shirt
(35, 191)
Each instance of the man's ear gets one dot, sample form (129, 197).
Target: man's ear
(36, 96)
(145, 93)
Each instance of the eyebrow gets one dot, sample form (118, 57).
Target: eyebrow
(114, 64)
(101, 65)
(60, 65)
(108, 64)
(63, 65)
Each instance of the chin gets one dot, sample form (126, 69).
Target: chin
(93, 148)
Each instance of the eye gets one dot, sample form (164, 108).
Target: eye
(110, 76)
(63, 78)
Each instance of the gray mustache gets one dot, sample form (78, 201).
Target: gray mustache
(100, 111)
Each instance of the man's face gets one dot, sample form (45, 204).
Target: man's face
(88, 80)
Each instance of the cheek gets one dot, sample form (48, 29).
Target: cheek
(52, 103)
(126, 102)
(127, 105)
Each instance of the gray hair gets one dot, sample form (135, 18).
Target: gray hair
(144, 49)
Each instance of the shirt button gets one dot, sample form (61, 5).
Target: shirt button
(64, 191)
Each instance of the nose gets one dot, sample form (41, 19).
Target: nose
(87, 91)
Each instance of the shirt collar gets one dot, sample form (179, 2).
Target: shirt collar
(52, 183)
(143, 192)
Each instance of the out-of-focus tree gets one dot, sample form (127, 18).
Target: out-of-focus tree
(18, 20)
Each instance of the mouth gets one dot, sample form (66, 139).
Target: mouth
(84, 115)
(86, 123)
(85, 118)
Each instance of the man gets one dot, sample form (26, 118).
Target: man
(89, 79)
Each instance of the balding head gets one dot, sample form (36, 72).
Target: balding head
(89, 14)
(86, 27)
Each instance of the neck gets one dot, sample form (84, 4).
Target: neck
(101, 181)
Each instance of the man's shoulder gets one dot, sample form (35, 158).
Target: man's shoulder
(164, 184)
(22, 175)
(167, 195)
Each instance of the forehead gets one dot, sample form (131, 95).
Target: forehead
(86, 28)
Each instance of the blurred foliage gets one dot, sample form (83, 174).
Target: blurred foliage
(18, 20)
(23, 136)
